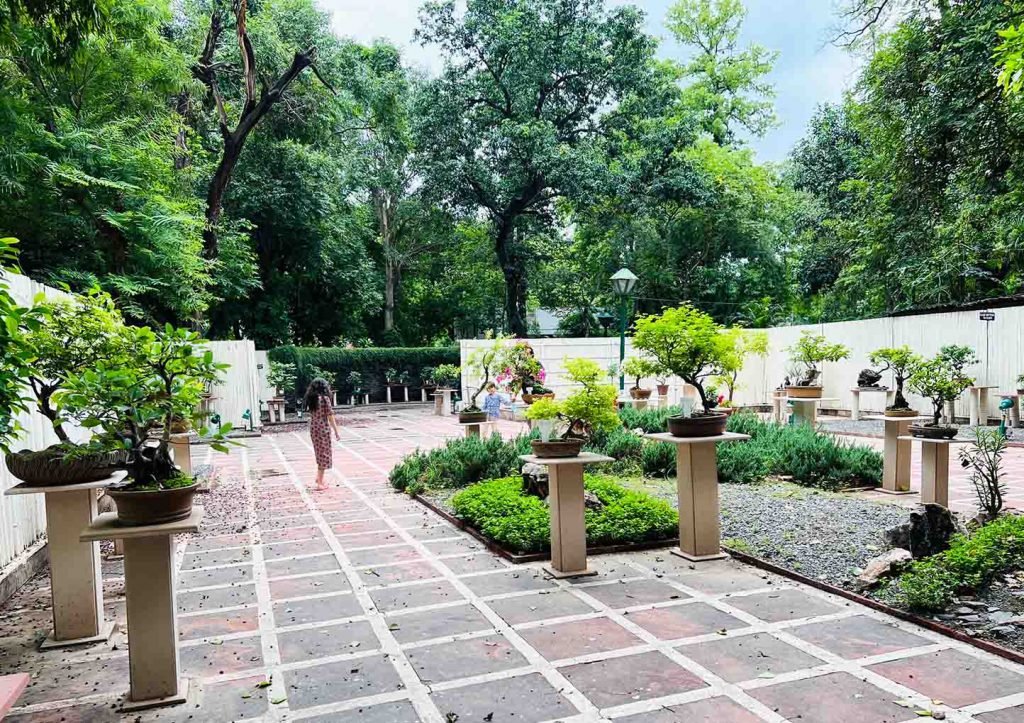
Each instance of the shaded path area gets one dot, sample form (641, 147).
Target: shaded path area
(357, 604)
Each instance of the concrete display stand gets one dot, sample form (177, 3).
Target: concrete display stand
(779, 407)
(896, 454)
(934, 468)
(697, 487)
(275, 410)
(805, 411)
(890, 396)
(1015, 409)
(181, 450)
(978, 404)
(568, 518)
(443, 402)
(475, 429)
(149, 578)
(635, 403)
(76, 585)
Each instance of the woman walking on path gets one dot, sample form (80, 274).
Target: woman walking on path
(321, 423)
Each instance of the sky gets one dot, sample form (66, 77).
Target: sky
(809, 70)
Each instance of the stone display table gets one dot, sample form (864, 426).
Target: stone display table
(697, 487)
(149, 579)
(896, 454)
(275, 409)
(934, 468)
(890, 395)
(443, 402)
(568, 518)
(978, 404)
(475, 429)
(76, 586)
(1015, 409)
(805, 411)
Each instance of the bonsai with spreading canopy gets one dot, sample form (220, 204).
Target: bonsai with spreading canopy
(588, 409)
(638, 367)
(747, 343)
(812, 349)
(689, 344)
(901, 361)
(446, 376)
(940, 380)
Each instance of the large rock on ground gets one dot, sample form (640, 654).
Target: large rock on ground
(925, 533)
(887, 564)
(535, 480)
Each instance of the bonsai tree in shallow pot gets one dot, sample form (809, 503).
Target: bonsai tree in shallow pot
(809, 352)
(483, 362)
(281, 376)
(638, 368)
(688, 343)
(524, 373)
(902, 362)
(941, 381)
(132, 403)
(591, 408)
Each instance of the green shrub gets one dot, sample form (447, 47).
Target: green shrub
(371, 364)
(650, 420)
(659, 459)
(459, 463)
(970, 563)
(620, 444)
(521, 522)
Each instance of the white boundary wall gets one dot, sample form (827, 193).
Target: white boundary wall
(239, 389)
(999, 365)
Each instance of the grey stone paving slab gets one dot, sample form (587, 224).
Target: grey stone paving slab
(543, 605)
(316, 610)
(464, 658)
(340, 681)
(430, 624)
(522, 699)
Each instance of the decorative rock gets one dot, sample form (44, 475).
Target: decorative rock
(535, 480)
(592, 501)
(926, 533)
(887, 564)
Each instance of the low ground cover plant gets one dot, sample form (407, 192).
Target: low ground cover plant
(971, 563)
(500, 509)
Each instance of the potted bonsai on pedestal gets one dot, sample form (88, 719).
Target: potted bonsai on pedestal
(446, 376)
(482, 362)
(638, 368)
(281, 376)
(590, 409)
(941, 381)
(902, 362)
(809, 352)
(689, 344)
(355, 383)
(131, 404)
(525, 373)
(746, 343)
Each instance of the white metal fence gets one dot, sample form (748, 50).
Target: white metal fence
(999, 345)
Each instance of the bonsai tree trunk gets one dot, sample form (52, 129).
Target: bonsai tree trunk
(937, 404)
(900, 401)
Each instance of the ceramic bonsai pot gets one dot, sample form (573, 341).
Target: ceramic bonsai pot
(472, 417)
(891, 412)
(638, 393)
(662, 390)
(804, 392)
(48, 467)
(929, 431)
(531, 398)
(557, 448)
(136, 508)
(710, 424)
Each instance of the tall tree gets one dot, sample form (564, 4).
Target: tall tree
(728, 85)
(517, 117)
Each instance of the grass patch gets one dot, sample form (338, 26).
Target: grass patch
(519, 522)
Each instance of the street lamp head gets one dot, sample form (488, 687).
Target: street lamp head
(623, 282)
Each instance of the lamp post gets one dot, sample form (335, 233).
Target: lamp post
(623, 282)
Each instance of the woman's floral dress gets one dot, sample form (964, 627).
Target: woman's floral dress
(320, 432)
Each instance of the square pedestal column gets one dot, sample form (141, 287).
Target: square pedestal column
(978, 405)
(568, 518)
(805, 411)
(181, 449)
(890, 395)
(1015, 409)
(76, 585)
(477, 429)
(896, 455)
(149, 578)
(934, 469)
(443, 402)
(779, 408)
(697, 487)
(275, 410)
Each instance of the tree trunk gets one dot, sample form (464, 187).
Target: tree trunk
(513, 268)
(215, 195)
(390, 287)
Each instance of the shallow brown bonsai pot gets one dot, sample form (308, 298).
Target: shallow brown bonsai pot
(891, 412)
(931, 431)
(804, 392)
(662, 390)
(136, 508)
(531, 398)
(48, 468)
(638, 393)
(709, 424)
(557, 448)
(1020, 392)
(472, 417)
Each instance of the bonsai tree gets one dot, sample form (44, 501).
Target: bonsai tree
(446, 376)
(1020, 382)
(132, 402)
(637, 368)
(588, 409)
(391, 376)
(812, 349)
(403, 378)
(355, 381)
(523, 370)
(746, 343)
(958, 357)
(689, 344)
(427, 377)
(940, 381)
(281, 376)
(483, 362)
(901, 361)
(315, 372)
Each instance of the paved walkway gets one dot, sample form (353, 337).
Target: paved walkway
(356, 604)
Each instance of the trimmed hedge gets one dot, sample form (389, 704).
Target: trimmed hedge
(460, 462)
(370, 363)
(519, 522)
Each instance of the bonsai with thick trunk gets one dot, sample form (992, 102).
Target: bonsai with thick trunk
(902, 362)
(809, 351)
(941, 381)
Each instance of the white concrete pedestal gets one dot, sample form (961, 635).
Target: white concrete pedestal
(275, 410)
(150, 600)
(76, 584)
(568, 512)
(443, 402)
(896, 455)
(890, 395)
(934, 468)
(779, 407)
(476, 429)
(181, 451)
(805, 411)
(697, 486)
(978, 404)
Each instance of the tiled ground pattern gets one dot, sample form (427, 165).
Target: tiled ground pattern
(356, 604)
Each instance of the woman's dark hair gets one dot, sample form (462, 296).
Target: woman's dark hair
(317, 388)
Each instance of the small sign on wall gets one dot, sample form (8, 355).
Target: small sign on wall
(987, 316)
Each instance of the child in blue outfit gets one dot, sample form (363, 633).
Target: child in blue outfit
(492, 403)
